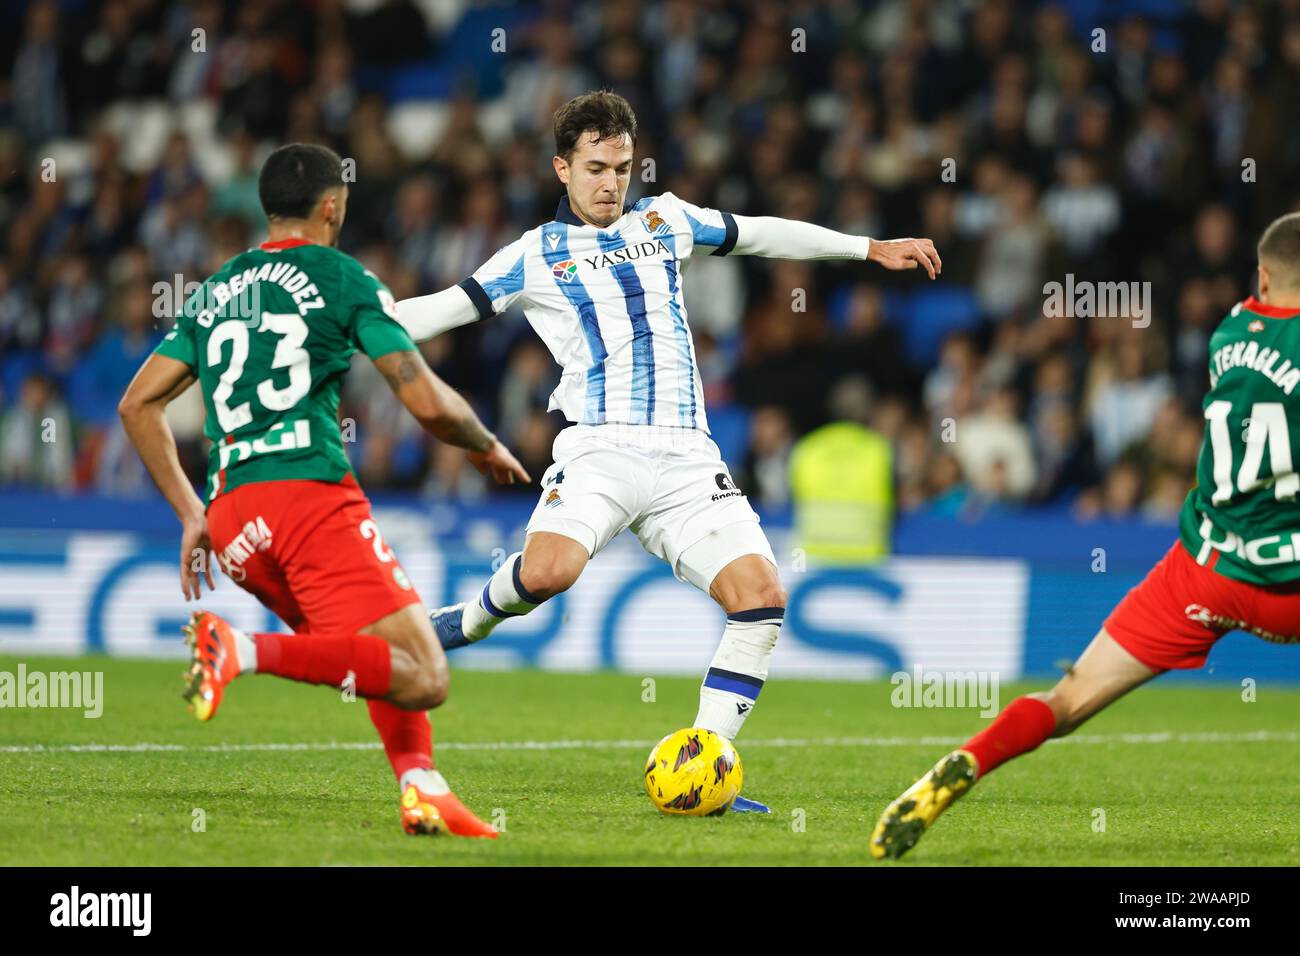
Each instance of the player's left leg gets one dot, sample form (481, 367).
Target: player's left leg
(1169, 620)
(703, 526)
(749, 589)
(735, 566)
(1104, 673)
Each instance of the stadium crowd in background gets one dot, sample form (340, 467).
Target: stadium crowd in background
(131, 133)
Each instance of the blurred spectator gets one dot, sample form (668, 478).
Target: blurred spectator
(36, 438)
(765, 473)
(1127, 387)
(995, 452)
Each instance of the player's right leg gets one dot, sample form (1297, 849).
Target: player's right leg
(550, 563)
(1103, 674)
(589, 495)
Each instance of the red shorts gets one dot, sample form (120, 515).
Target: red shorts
(311, 552)
(1173, 618)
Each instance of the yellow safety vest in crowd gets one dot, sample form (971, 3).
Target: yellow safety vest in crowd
(841, 479)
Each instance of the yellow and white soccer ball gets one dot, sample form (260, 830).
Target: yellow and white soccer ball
(693, 773)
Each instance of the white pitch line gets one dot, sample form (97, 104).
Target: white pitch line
(1165, 737)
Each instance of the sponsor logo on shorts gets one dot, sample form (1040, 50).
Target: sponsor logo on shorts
(1221, 622)
(726, 488)
(256, 536)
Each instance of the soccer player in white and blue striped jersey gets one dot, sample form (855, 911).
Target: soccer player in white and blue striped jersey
(602, 285)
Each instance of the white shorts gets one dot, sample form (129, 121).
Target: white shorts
(669, 485)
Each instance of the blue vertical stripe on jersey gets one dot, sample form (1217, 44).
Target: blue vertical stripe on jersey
(642, 410)
(511, 283)
(703, 234)
(685, 367)
(580, 299)
(722, 238)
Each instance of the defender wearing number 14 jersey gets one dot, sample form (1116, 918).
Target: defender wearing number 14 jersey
(1236, 565)
(1243, 517)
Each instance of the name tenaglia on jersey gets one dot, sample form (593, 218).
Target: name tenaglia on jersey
(1247, 354)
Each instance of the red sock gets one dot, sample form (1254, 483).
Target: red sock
(327, 660)
(407, 736)
(1023, 724)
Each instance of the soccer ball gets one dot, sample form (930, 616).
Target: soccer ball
(693, 773)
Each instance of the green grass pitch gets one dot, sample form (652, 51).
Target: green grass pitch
(1220, 788)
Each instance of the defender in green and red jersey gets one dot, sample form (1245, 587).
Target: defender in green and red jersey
(269, 338)
(1236, 565)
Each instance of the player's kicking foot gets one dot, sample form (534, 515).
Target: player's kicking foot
(904, 820)
(446, 624)
(743, 805)
(427, 813)
(214, 662)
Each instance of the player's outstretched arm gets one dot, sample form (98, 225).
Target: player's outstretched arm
(443, 413)
(776, 238)
(143, 412)
(426, 316)
(493, 288)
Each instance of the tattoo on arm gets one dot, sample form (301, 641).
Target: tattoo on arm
(471, 434)
(449, 417)
(408, 369)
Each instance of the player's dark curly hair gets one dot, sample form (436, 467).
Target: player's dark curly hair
(294, 177)
(602, 110)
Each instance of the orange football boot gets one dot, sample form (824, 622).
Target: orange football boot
(443, 813)
(215, 662)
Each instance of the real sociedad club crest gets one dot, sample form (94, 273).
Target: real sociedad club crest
(655, 224)
(565, 271)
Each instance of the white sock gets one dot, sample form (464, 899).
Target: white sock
(503, 596)
(245, 651)
(738, 670)
(428, 781)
